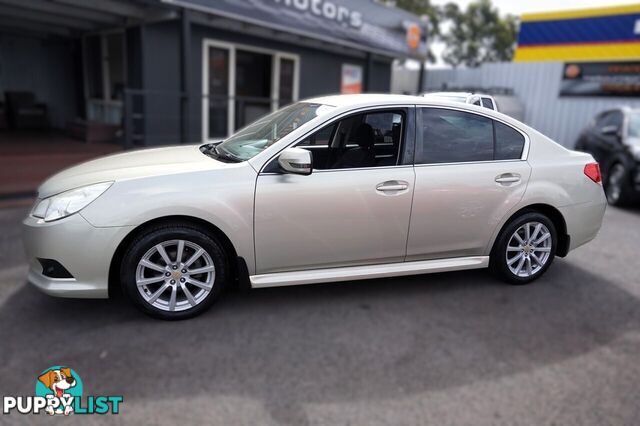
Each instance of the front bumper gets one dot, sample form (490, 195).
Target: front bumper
(83, 249)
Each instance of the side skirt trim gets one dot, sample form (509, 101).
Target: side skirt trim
(315, 276)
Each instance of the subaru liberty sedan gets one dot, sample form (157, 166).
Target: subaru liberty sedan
(335, 188)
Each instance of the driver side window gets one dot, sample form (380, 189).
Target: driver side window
(371, 139)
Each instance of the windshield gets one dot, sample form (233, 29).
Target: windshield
(634, 125)
(263, 133)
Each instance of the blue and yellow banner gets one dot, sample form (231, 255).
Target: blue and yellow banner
(598, 34)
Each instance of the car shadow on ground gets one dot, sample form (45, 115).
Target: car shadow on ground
(323, 343)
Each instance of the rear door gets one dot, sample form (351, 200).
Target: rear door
(469, 174)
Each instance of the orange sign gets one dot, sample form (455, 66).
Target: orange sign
(413, 36)
(351, 79)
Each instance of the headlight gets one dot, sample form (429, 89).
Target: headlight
(69, 202)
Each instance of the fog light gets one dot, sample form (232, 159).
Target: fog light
(53, 269)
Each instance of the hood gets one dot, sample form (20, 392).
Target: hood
(130, 165)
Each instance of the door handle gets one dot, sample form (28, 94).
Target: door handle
(507, 178)
(392, 185)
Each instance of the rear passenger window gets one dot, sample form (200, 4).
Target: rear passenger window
(486, 102)
(509, 142)
(451, 136)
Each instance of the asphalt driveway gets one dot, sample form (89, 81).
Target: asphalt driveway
(456, 348)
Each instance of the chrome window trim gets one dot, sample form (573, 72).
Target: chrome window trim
(525, 148)
(332, 121)
(468, 162)
(398, 166)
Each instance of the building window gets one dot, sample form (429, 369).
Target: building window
(218, 84)
(242, 84)
(285, 88)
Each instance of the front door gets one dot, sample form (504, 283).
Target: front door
(352, 210)
(469, 175)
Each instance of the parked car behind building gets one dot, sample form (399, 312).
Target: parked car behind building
(468, 98)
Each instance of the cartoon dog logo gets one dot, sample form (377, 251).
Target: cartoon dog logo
(58, 381)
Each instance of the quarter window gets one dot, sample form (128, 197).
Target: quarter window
(450, 136)
(509, 142)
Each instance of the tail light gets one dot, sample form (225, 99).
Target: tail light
(592, 171)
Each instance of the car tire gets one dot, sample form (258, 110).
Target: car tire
(169, 286)
(520, 258)
(618, 186)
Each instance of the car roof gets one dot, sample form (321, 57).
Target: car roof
(364, 100)
(466, 94)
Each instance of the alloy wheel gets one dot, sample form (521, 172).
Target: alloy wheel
(528, 249)
(614, 183)
(175, 275)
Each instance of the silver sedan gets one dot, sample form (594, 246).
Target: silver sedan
(329, 189)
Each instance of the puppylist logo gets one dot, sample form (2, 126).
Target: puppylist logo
(59, 391)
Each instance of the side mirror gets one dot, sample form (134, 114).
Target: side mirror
(610, 130)
(296, 160)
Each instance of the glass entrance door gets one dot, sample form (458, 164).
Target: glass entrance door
(253, 86)
(218, 94)
(242, 84)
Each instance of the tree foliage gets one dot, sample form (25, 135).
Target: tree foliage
(472, 36)
(477, 34)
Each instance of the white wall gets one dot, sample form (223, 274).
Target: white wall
(403, 80)
(537, 85)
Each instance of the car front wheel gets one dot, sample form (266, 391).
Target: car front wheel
(524, 249)
(173, 272)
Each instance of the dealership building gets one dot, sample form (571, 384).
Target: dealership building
(568, 66)
(151, 72)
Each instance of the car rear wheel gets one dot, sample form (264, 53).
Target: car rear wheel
(617, 186)
(174, 272)
(524, 249)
